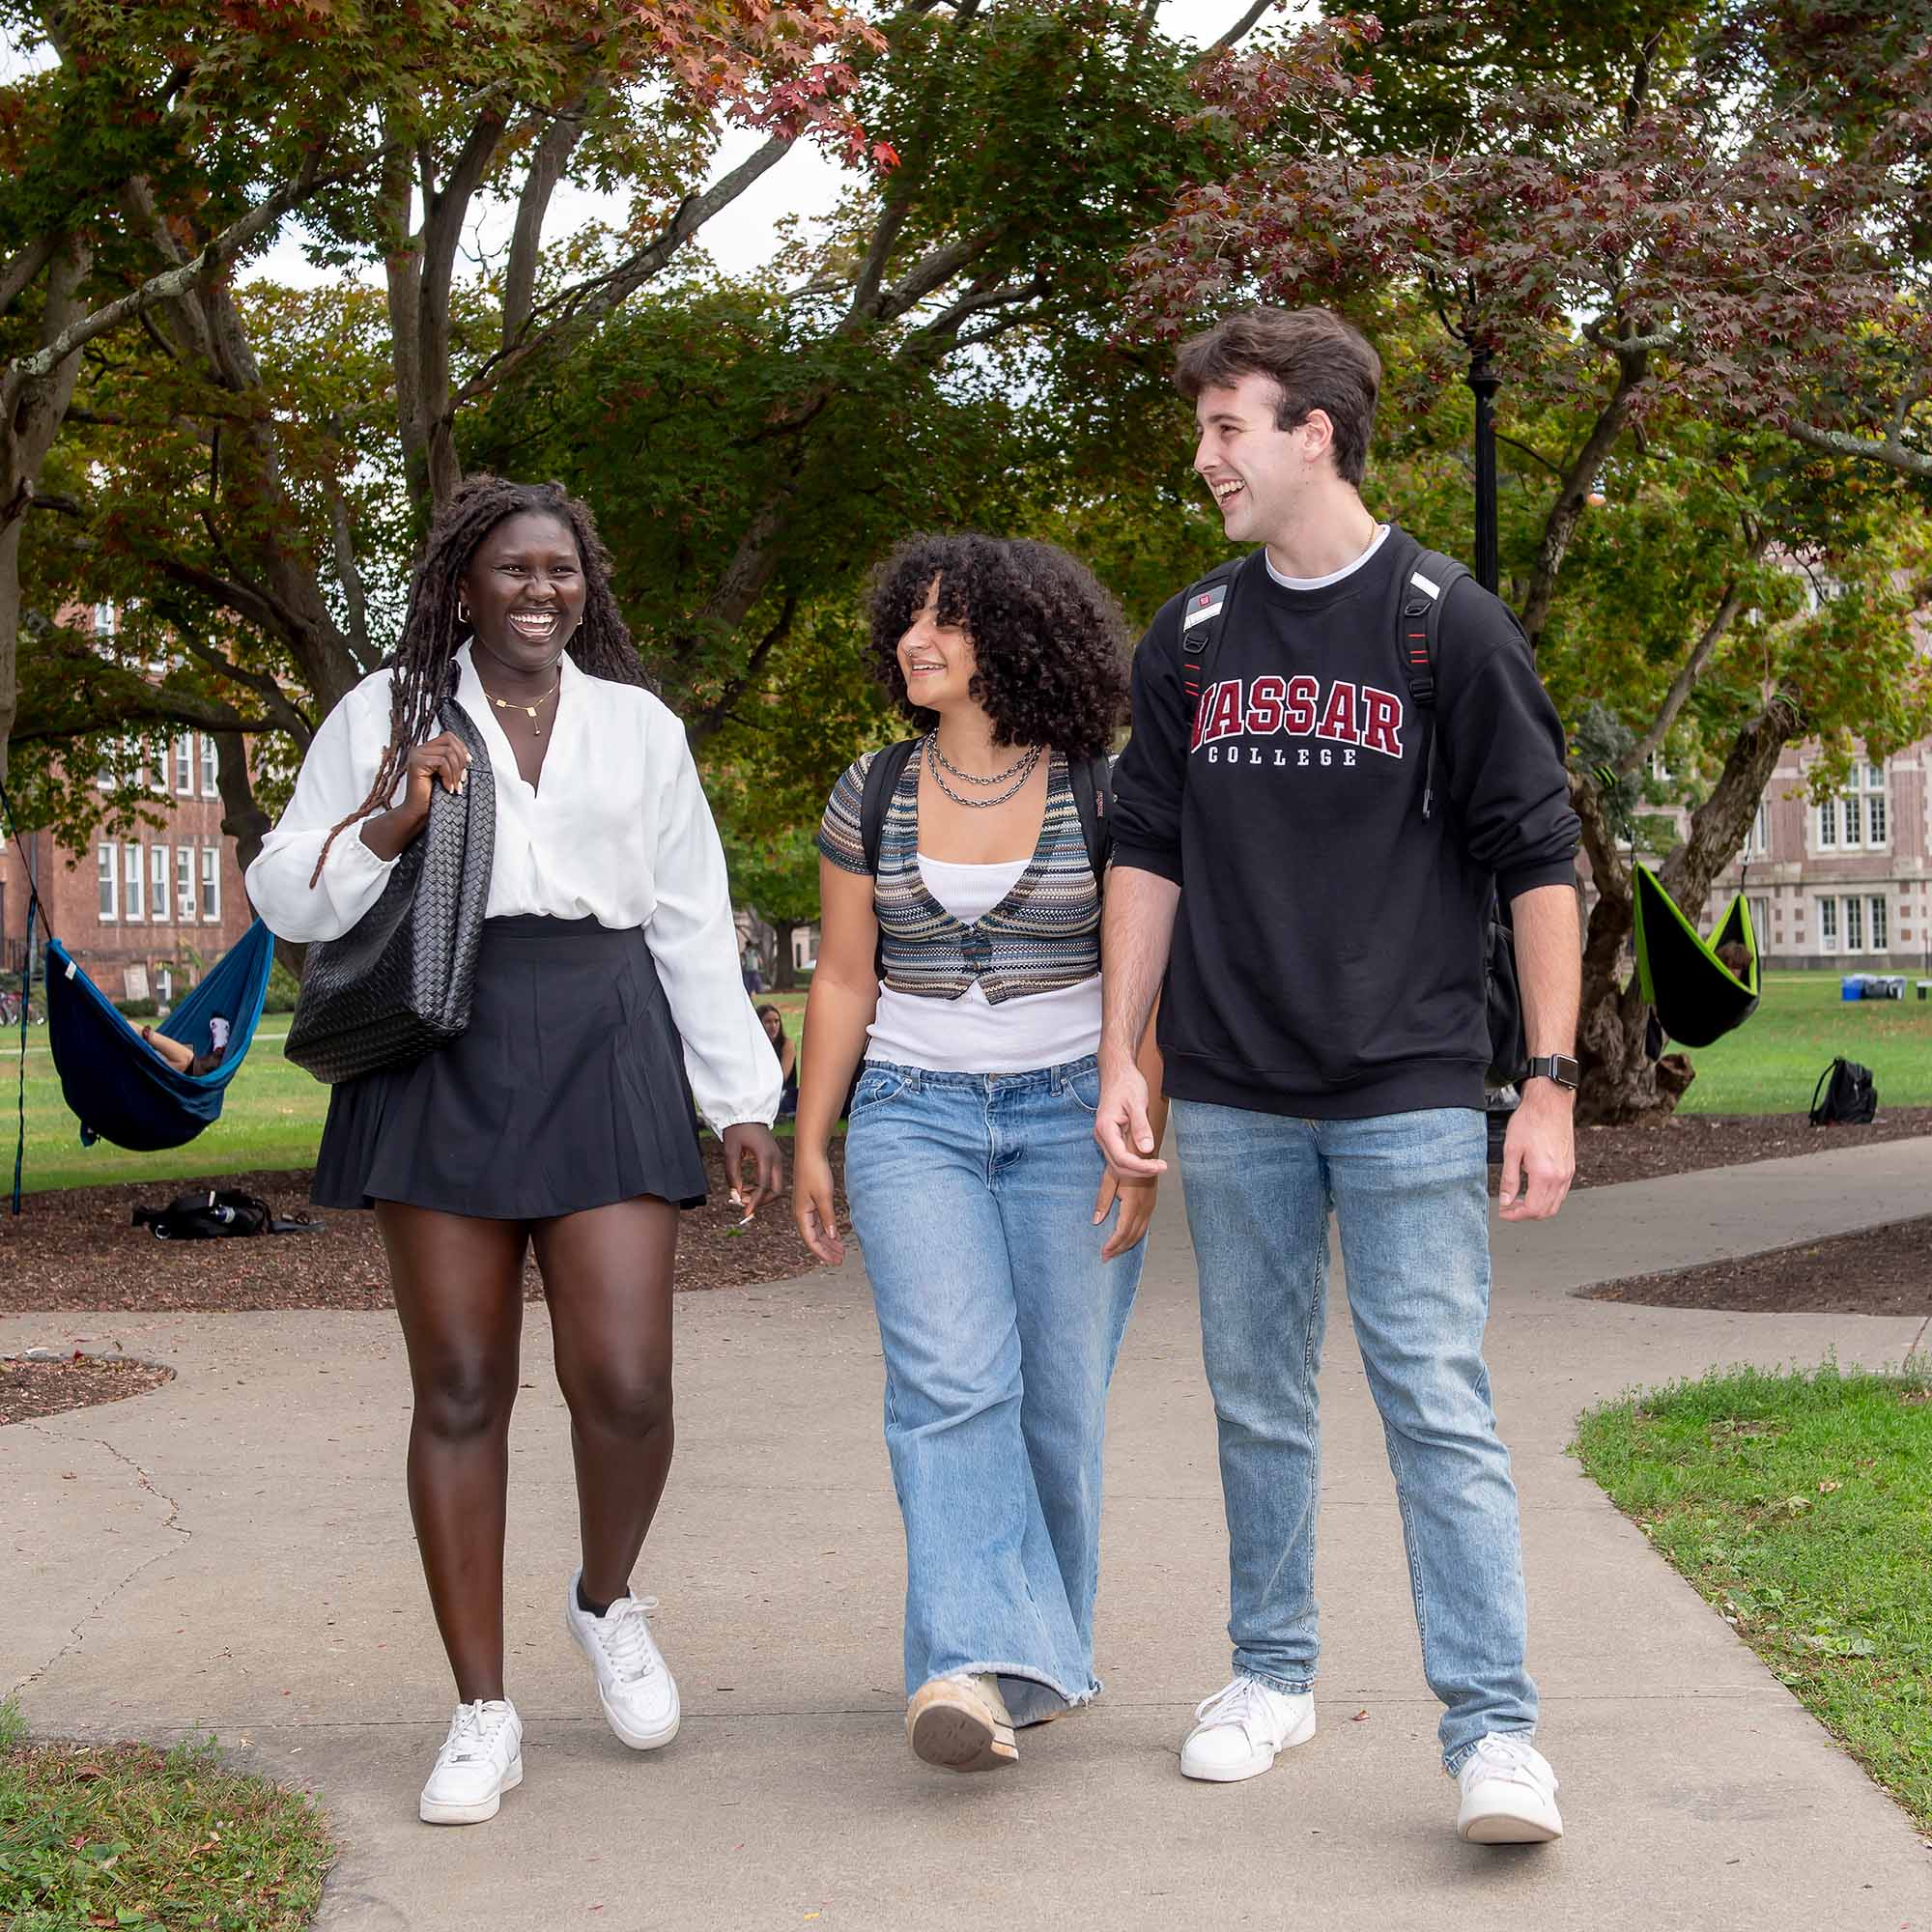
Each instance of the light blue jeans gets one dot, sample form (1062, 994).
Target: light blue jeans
(973, 1198)
(1409, 1195)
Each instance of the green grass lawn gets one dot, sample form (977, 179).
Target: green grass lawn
(1795, 1503)
(272, 1117)
(130, 1834)
(1771, 1064)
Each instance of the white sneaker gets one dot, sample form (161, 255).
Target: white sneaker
(481, 1758)
(1239, 1730)
(1509, 1794)
(634, 1684)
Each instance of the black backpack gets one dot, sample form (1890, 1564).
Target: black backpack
(1430, 578)
(1846, 1096)
(213, 1213)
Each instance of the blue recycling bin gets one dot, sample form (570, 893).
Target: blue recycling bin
(1852, 986)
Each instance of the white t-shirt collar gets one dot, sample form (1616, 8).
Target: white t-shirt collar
(1334, 576)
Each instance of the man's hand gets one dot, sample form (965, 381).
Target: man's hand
(1121, 1122)
(1539, 1153)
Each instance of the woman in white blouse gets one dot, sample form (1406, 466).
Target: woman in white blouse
(560, 1121)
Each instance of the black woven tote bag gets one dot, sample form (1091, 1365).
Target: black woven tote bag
(397, 984)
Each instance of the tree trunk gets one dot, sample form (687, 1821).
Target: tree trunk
(1621, 1083)
(31, 411)
(784, 976)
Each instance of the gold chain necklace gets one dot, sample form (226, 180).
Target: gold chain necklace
(530, 711)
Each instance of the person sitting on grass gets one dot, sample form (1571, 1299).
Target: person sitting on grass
(183, 1058)
(786, 1049)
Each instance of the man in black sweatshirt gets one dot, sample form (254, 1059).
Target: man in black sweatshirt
(1319, 941)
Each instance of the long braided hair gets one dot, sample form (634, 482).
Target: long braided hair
(433, 630)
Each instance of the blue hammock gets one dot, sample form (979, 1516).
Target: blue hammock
(120, 1089)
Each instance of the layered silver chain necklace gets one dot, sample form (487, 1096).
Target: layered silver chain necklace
(939, 764)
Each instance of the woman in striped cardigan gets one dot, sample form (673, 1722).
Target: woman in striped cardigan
(960, 957)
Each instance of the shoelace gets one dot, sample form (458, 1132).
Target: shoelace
(472, 1731)
(625, 1632)
(1504, 1756)
(1242, 1702)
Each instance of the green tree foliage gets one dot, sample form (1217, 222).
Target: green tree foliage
(227, 456)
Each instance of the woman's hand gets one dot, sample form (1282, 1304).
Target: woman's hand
(753, 1139)
(1136, 1198)
(444, 757)
(811, 1207)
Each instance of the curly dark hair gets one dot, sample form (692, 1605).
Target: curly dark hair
(432, 631)
(1051, 643)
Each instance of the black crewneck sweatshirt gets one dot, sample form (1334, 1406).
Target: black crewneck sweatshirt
(1329, 943)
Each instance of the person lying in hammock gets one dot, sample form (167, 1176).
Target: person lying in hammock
(183, 1058)
(1736, 959)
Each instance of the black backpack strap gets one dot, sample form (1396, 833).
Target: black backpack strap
(1428, 579)
(882, 783)
(1093, 782)
(1203, 619)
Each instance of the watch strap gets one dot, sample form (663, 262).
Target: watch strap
(1556, 1066)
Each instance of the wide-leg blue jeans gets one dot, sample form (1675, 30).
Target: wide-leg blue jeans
(973, 1198)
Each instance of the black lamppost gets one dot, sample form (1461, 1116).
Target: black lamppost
(1485, 382)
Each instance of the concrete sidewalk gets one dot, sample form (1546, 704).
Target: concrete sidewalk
(234, 1553)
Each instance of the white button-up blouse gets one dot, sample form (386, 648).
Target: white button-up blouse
(617, 830)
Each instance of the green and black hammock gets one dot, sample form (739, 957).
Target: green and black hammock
(1697, 998)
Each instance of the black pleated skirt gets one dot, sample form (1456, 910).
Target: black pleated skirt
(566, 1090)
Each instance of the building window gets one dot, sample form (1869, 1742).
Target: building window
(1878, 940)
(110, 882)
(103, 620)
(158, 871)
(164, 985)
(185, 765)
(1858, 819)
(1875, 806)
(1855, 925)
(1827, 925)
(185, 883)
(210, 785)
(130, 898)
(1758, 841)
(210, 882)
(1760, 915)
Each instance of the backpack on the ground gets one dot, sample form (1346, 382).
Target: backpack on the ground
(213, 1213)
(1845, 1096)
(1430, 578)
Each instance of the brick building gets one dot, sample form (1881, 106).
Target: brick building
(1844, 886)
(146, 914)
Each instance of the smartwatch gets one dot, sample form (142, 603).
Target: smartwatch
(1556, 1066)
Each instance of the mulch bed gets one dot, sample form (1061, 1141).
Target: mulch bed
(1688, 1142)
(32, 1390)
(75, 1249)
(1883, 1270)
